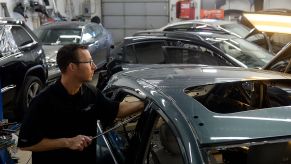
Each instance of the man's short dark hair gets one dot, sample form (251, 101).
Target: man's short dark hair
(68, 54)
(96, 19)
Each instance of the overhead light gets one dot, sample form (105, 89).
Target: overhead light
(270, 22)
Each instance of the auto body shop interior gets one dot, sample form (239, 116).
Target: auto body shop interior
(145, 81)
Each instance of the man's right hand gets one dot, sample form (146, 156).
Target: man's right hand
(79, 142)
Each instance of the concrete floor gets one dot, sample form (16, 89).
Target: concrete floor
(24, 157)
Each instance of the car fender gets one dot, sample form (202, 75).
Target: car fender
(38, 69)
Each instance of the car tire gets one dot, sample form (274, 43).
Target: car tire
(31, 87)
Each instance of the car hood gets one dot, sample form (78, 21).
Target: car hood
(51, 51)
(242, 127)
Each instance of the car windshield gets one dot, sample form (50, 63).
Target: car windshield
(254, 152)
(246, 52)
(59, 36)
(236, 28)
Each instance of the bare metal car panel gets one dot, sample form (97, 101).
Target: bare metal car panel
(172, 75)
(210, 127)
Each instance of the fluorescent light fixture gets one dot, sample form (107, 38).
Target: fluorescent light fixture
(270, 22)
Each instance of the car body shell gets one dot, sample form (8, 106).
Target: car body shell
(194, 126)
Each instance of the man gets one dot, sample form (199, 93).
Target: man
(62, 119)
(96, 19)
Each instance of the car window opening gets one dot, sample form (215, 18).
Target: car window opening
(235, 97)
(163, 146)
(120, 134)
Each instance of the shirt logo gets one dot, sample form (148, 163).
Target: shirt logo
(89, 107)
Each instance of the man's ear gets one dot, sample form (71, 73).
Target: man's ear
(72, 67)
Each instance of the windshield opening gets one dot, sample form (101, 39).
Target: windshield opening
(252, 153)
(241, 96)
(59, 36)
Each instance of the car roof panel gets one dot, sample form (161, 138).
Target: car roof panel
(211, 127)
(171, 75)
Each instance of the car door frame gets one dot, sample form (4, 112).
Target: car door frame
(140, 141)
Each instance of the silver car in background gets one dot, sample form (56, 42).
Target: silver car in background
(55, 35)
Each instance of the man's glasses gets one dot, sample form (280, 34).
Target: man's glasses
(91, 62)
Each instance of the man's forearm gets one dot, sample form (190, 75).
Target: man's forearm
(128, 108)
(48, 144)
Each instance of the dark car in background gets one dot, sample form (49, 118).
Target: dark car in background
(55, 35)
(23, 68)
(173, 47)
(163, 48)
(193, 48)
(206, 48)
(200, 114)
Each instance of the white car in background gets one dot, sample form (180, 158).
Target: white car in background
(213, 25)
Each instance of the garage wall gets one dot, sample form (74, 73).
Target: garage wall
(172, 11)
(245, 4)
(124, 17)
(277, 4)
(238, 5)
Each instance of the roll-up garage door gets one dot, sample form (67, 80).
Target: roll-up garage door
(124, 17)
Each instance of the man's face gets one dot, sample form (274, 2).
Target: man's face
(85, 66)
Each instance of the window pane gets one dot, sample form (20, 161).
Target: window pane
(130, 54)
(60, 36)
(20, 36)
(180, 55)
(7, 43)
(149, 53)
(189, 53)
(246, 52)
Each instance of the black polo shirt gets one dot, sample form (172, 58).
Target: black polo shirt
(56, 114)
